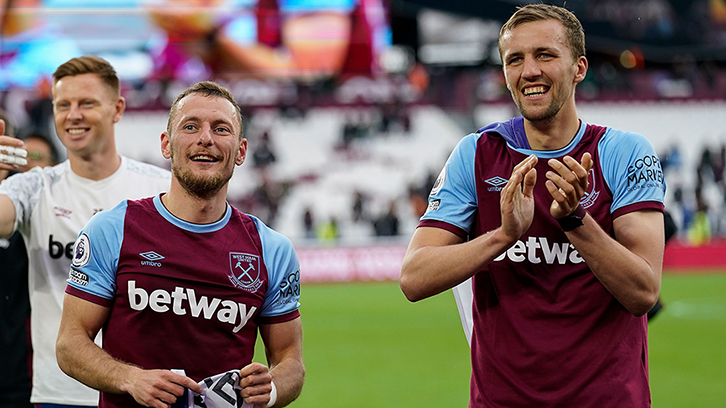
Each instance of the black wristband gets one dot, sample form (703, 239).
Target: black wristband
(573, 220)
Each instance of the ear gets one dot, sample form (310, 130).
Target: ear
(120, 107)
(165, 147)
(242, 153)
(580, 69)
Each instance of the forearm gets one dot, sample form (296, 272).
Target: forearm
(7, 216)
(79, 357)
(632, 279)
(288, 376)
(431, 269)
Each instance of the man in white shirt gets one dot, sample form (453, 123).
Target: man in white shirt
(50, 206)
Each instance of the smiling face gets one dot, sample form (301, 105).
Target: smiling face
(539, 68)
(204, 144)
(85, 110)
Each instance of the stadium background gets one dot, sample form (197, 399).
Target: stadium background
(357, 148)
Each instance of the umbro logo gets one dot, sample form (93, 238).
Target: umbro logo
(497, 183)
(151, 258)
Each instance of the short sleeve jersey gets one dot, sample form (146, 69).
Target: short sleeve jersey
(52, 204)
(181, 295)
(546, 332)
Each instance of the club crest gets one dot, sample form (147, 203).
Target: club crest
(591, 195)
(245, 271)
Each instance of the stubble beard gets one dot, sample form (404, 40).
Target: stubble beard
(546, 116)
(196, 186)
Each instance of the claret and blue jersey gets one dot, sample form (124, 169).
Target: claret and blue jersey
(545, 330)
(181, 295)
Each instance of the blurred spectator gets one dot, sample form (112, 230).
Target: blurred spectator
(273, 38)
(718, 163)
(264, 154)
(328, 231)
(308, 223)
(387, 224)
(40, 110)
(671, 159)
(360, 206)
(267, 197)
(41, 151)
(418, 201)
(699, 229)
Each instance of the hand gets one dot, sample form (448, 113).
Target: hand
(12, 154)
(516, 201)
(256, 383)
(158, 388)
(568, 185)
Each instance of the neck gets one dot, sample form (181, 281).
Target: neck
(95, 166)
(554, 133)
(194, 209)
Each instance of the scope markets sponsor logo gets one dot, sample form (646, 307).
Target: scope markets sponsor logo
(538, 249)
(290, 287)
(184, 300)
(645, 172)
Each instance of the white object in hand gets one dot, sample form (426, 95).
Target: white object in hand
(13, 155)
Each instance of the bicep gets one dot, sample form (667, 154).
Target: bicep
(282, 340)
(82, 315)
(642, 232)
(430, 236)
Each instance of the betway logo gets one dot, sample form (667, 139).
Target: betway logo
(159, 300)
(537, 249)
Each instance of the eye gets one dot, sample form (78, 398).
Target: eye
(514, 60)
(222, 129)
(189, 127)
(545, 55)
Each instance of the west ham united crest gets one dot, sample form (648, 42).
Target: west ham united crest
(245, 270)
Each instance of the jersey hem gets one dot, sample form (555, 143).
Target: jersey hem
(444, 225)
(88, 296)
(642, 205)
(279, 319)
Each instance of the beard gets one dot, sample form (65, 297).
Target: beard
(549, 113)
(200, 186)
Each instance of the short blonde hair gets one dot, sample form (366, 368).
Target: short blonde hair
(206, 88)
(540, 12)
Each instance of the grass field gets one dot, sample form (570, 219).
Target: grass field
(366, 346)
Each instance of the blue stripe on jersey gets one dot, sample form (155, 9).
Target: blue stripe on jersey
(283, 272)
(548, 154)
(197, 228)
(105, 232)
(455, 189)
(631, 168)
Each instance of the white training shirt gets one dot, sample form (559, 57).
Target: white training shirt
(52, 205)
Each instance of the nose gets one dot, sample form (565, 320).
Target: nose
(530, 68)
(205, 136)
(74, 113)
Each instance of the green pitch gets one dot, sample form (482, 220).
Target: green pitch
(366, 346)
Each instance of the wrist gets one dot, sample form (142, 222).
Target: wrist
(573, 220)
(273, 395)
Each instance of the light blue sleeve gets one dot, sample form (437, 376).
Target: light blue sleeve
(96, 253)
(453, 198)
(631, 169)
(283, 272)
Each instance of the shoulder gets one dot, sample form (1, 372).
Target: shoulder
(145, 169)
(34, 180)
(271, 239)
(621, 139)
